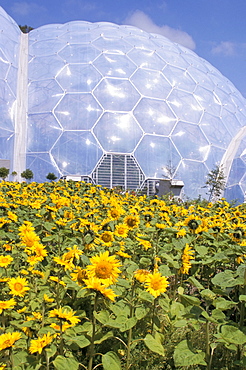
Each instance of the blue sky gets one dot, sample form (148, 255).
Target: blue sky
(214, 29)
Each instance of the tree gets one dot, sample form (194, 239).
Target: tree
(215, 182)
(4, 172)
(27, 174)
(51, 176)
(25, 29)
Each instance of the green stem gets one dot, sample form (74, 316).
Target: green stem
(207, 341)
(153, 316)
(92, 345)
(129, 338)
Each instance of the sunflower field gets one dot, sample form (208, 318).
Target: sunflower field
(94, 279)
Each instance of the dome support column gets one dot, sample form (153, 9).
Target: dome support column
(19, 160)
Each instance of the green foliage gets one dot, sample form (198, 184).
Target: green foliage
(51, 176)
(215, 182)
(27, 174)
(4, 172)
(198, 323)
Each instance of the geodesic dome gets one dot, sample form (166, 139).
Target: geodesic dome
(119, 106)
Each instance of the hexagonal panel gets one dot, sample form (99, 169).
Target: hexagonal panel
(43, 131)
(151, 83)
(4, 65)
(179, 78)
(155, 116)
(215, 130)
(193, 175)
(114, 65)
(190, 141)
(41, 164)
(79, 53)
(78, 111)
(230, 121)
(45, 47)
(76, 152)
(111, 45)
(43, 95)
(45, 67)
(78, 78)
(146, 59)
(154, 153)
(237, 171)
(116, 94)
(185, 106)
(118, 132)
(208, 100)
(6, 143)
(8, 106)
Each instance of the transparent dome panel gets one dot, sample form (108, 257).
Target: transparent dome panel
(215, 156)
(114, 65)
(6, 144)
(190, 141)
(8, 107)
(118, 132)
(185, 106)
(42, 133)
(179, 78)
(146, 59)
(43, 95)
(12, 50)
(243, 184)
(76, 152)
(198, 63)
(78, 111)
(154, 153)
(45, 47)
(41, 68)
(237, 171)
(81, 35)
(11, 80)
(47, 32)
(215, 130)
(201, 78)
(151, 83)
(112, 46)
(74, 53)
(234, 193)
(193, 174)
(231, 122)
(224, 97)
(116, 94)
(208, 100)
(40, 164)
(78, 78)
(172, 57)
(154, 116)
(4, 65)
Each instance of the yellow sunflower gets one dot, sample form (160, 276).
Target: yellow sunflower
(8, 340)
(18, 286)
(5, 260)
(4, 305)
(187, 255)
(65, 314)
(104, 267)
(107, 237)
(95, 284)
(37, 345)
(156, 284)
(132, 221)
(141, 275)
(121, 230)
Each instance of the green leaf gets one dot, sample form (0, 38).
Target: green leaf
(102, 316)
(208, 294)
(80, 340)
(189, 300)
(242, 298)
(233, 335)
(184, 356)
(224, 279)
(65, 363)
(141, 312)
(111, 361)
(153, 344)
(195, 282)
(145, 296)
(128, 324)
(223, 304)
(101, 338)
